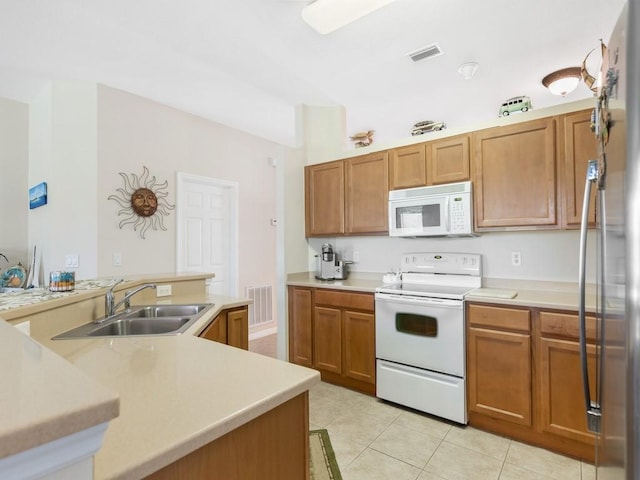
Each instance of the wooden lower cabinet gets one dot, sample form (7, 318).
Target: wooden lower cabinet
(238, 328)
(336, 329)
(562, 404)
(274, 446)
(500, 380)
(300, 326)
(327, 339)
(216, 331)
(230, 327)
(524, 378)
(499, 370)
(561, 392)
(359, 339)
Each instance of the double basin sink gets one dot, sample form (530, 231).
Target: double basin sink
(142, 320)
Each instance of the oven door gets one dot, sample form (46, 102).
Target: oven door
(421, 332)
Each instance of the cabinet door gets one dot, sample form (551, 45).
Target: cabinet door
(324, 199)
(327, 339)
(579, 147)
(407, 167)
(514, 175)
(359, 346)
(216, 330)
(499, 374)
(448, 160)
(300, 332)
(367, 194)
(238, 328)
(561, 392)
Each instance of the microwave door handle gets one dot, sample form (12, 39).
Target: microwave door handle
(447, 218)
(592, 408)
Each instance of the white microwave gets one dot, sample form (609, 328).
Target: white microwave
(439, 210)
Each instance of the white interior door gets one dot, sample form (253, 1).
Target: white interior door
(207, 230)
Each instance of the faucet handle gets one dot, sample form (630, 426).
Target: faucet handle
(109, 300)
(117, 282)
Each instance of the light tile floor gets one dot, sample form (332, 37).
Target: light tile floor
(376, 440)
(379, 440)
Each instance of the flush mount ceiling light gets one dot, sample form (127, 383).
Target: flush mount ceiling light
(468, 70)
(562, 81)
(325, 16)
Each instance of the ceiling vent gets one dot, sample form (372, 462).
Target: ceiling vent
(425, 52)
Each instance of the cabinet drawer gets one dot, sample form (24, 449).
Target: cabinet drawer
(498, 317)
(566, 325)
(358, 301)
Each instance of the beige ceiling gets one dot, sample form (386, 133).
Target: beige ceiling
(248, 63)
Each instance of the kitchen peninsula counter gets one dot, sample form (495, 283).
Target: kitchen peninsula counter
(176, 393)
(529, 293)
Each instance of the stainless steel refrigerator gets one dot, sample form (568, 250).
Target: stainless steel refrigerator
(612, 401)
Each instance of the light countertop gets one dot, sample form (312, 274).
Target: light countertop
(176, 393)
(529, 293)
(43, 397)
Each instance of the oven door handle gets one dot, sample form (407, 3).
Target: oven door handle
(414, 300)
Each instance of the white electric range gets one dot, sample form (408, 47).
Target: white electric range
(420, 333)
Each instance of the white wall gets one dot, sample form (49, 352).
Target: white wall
(134, 132)
(62, 142)
(14, 198)
(546, 255)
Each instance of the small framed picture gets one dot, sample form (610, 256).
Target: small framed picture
(38, 195)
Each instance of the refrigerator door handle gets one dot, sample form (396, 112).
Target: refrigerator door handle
(591, 406)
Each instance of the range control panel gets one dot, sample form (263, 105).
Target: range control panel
(446, 263)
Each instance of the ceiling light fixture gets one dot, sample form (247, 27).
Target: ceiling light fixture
(325, 16)
(562, 81)
(468, 70)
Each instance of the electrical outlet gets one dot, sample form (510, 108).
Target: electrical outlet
(516, 259)
(71, 260)
(163, 290)
(356, 256)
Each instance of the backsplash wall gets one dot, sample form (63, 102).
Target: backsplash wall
(546, 255)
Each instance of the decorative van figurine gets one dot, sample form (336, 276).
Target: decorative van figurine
(515, 105)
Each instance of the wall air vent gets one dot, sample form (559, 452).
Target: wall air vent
(425, 52)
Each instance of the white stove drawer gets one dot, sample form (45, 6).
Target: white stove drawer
(430, 392)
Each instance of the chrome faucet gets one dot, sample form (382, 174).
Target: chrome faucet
(110, 306)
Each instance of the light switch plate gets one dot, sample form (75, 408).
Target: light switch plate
(71, 260)
(163, 290)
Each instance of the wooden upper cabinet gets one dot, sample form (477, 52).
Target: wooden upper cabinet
(324, 199)
(430, 163)
(367, 193)
(580, 146)
(448, 160)
(408, 167)
(514, 174)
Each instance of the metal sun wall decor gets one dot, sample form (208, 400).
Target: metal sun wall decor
(144, 201)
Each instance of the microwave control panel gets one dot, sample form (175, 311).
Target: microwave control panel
(460, 213)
